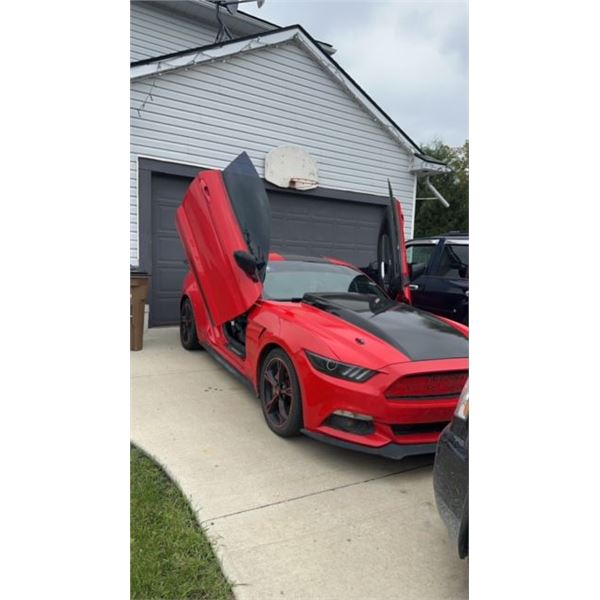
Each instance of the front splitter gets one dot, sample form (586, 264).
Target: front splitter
(394, 451)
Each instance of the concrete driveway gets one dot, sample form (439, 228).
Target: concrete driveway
(288, 518)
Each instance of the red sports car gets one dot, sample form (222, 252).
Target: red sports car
(325, 348)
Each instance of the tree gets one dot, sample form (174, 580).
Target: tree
(431, 217)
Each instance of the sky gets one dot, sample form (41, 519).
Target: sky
(411, 57)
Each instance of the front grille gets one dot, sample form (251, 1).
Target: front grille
(428, 386)
(419, 428)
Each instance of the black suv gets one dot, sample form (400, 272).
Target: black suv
(439, 274)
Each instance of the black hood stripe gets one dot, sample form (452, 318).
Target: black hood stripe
(415, 333)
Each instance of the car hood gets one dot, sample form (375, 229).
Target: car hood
(389, 331)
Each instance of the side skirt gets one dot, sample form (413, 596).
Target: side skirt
(229, 367)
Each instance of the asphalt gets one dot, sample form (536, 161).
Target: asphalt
(295, 518)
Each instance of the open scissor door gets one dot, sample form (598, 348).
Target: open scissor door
(392, 261)
(224, 224)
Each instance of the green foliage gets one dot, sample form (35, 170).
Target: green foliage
(170, 555)
(431, 217)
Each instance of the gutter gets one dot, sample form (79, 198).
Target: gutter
(436, 192)
(426, 166)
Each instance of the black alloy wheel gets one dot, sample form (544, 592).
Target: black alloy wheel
(187, 327)
(280, 394)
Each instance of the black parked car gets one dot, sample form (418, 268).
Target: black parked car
(439, 274)
(451, 475)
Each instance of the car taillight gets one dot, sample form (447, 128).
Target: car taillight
(428, 386)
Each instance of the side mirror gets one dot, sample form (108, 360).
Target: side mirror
(246, 262)
(463, 272)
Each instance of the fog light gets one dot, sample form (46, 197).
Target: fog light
(351, 422)
(352, 415)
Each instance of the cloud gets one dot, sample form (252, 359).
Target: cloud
(410, 57)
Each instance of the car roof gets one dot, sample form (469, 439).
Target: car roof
(451, 235)
(276, 257)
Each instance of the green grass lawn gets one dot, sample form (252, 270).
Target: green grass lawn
(170, 555)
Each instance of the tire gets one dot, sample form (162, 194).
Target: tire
(187, 327)
(282, 410)
(463, 532)
(463, 544)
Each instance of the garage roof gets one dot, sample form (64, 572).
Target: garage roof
(241, 22)
(209, 53)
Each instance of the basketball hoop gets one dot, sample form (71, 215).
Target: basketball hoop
(291, 167)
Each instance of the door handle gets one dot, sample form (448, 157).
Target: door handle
(413, 286)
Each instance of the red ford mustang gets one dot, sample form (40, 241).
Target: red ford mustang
(325, 348)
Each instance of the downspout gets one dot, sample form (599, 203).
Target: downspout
(436, 193)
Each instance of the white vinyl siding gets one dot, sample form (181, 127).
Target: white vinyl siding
(155, 31)
(258, 100)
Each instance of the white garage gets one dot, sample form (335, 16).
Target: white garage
(199, 106)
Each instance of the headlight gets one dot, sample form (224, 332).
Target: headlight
(332, 367)
(462, 408)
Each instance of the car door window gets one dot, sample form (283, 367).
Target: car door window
(454, 262)
(419, 255)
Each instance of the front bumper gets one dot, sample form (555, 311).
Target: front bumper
(399, 427)
(394, 451)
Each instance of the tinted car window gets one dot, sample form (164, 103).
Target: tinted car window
(289, 279)
(454, 263)
(420, 254)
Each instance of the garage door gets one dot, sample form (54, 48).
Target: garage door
(313, 226)
(168, 258)
(302, 224)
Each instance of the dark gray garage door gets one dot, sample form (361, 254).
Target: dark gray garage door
(302, 224)
(313, 226)
(168, 266)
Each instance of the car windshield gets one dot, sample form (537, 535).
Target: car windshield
(291, 279)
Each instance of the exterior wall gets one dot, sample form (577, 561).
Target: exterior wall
(155, 30)
(206, 115)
